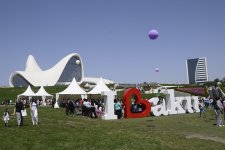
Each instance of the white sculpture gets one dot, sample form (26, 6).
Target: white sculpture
(174, 105)
(109, 105)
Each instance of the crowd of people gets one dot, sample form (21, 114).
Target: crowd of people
(6, 102)
(95, 109)
(84, 107)
(216, 100)
(218, 105)
(90, 108)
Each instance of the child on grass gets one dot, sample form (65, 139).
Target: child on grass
(6, 117)
(201, 107)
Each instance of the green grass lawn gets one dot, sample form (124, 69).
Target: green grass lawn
(58, 131)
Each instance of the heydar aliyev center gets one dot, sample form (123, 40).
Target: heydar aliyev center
(62, 73)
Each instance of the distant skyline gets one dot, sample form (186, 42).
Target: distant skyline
(112, 37)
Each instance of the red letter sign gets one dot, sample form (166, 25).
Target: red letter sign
(146, 107)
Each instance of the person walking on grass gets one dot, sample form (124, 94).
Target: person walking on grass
(118, 109)
(219, 112)
(201, 107)
(34, 112)
(18, 112)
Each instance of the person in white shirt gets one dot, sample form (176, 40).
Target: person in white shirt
(34, 112)
(87, 104)
(86, 108)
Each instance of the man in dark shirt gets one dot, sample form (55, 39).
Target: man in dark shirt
(17, 110)
(53, 103)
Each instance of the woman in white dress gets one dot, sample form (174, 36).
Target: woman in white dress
(34, 112)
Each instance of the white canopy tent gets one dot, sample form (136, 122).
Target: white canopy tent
(28, 93)
(99, 88)
(72, 89)
(43, 94)
(108, 95)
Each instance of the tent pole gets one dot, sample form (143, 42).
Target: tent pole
(56, 101)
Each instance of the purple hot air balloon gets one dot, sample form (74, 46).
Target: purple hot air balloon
(153, 34)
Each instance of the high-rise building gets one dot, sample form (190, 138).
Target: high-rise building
(197, 70)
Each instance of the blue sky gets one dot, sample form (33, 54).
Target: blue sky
(112, 37)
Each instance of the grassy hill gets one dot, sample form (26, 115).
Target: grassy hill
(60, 132)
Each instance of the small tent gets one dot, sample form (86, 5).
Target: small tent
(43, 94)
(28, 93)
(72, 89)
(100, 87)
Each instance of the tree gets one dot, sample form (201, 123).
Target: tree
(216, 80)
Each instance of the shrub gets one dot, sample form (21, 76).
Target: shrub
(198, 91)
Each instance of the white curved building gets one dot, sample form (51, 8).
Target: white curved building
(62, 73)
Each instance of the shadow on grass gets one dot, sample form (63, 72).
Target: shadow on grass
(150, 120)
(151, 126)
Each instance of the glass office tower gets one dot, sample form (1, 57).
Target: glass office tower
(197, 70)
